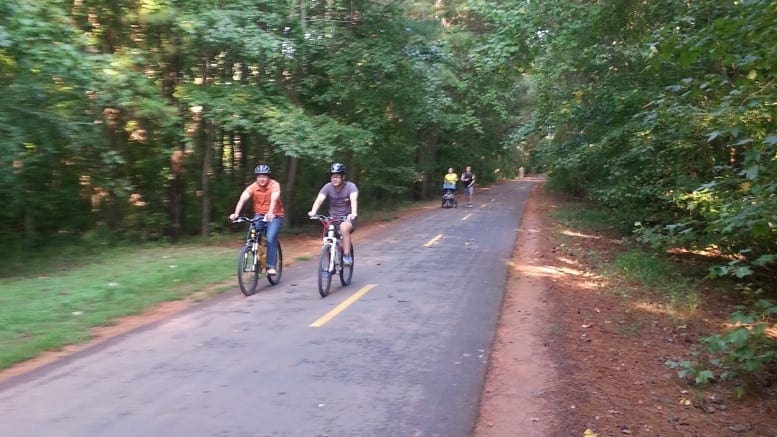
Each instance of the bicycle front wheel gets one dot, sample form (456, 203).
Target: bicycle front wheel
(274, 279)
(324, 274)
(346, 273)
(247, 271)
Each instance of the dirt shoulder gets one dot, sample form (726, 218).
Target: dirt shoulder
(521, 371)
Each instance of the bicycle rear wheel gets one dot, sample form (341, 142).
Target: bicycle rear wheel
(274, 279)
(346, 272)
(247, 271)
(324, 275)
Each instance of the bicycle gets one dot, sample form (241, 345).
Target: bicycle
(252, 261)
(330, 261)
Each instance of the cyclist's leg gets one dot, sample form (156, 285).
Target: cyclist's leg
(346, 229)
(260, 227)
(273, 228)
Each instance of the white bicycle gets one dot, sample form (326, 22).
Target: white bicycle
(330, 262)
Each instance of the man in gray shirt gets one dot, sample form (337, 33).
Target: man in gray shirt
(343, 199)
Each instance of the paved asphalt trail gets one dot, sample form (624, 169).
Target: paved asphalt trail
(407, 358)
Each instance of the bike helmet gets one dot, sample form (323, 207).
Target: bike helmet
(337, 168)
(262, 169)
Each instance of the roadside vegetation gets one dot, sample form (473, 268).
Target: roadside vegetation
(737, 343)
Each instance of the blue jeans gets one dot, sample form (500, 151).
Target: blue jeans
(273, 228)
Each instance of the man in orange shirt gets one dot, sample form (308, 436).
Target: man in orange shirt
(265, 195)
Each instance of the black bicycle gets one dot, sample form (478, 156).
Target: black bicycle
(330, 262)
(252, 261)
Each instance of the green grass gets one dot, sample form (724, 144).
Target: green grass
(56, 300)
(662, 274)
(592, 219)
(649, 269)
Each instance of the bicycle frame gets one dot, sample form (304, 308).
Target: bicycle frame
(334, 240)
(253, 236)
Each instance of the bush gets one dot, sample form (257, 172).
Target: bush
(743, 351)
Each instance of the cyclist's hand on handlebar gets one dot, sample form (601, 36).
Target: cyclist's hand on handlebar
(350, 217)
(311, 213)
(232, 217)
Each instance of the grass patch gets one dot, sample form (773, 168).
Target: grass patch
(662, 274)
(588, 218)
(648, 268)
(631, 272)
(58, 300)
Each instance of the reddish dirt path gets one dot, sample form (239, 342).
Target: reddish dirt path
(521, 369)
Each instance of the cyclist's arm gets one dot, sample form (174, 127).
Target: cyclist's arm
(239, 207)
(354, 205)
(316, 204)
(275, 194)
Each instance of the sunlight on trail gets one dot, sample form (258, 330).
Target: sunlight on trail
(578, 234)
(584, 279)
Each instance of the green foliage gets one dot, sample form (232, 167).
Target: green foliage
(145, 118)
(660, 111)
(744, 350)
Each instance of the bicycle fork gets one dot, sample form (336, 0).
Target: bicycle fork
(334, 259)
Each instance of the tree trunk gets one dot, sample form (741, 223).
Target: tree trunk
(426, 156)
(175, 195)
(207, 157)
(287, 191)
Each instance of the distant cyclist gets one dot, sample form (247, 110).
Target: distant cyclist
(265, 194)
(468, 180)
(343, 197)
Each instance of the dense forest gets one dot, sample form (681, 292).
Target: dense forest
(143, 119)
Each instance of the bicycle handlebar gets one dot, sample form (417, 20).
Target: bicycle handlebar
(328, 218)
(242, 219)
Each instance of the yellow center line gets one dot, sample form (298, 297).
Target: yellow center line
(466, 217)
(433, 240)
(340, 308)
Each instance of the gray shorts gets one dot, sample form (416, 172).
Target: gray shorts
(353, 224)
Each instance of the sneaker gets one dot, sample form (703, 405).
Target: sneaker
(347, 260)
(272, 272)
